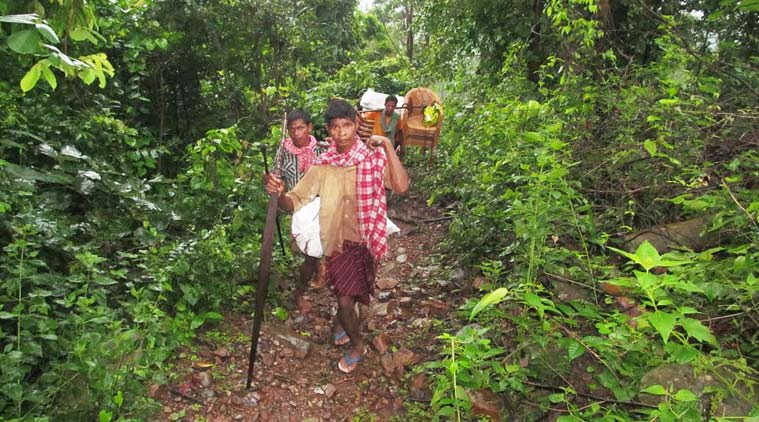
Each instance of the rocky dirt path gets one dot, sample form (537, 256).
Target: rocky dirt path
(296, 376)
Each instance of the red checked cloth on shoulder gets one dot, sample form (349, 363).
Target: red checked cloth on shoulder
(370, 190)
(305, 155)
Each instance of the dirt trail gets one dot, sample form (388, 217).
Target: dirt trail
(296, 376)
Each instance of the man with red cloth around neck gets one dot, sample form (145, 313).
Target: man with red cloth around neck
(294, 157)
(350, 178)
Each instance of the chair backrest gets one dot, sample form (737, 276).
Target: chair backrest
(365, 127)
(417, 99)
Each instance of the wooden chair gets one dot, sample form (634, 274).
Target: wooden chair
(414, 132)
(365, 126)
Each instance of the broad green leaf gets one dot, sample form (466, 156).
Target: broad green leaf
(90, 260)
(556, 397)
(749, 5)
(105, 416)
(533, 300)
(574, 349)
(557, 173)
(212, 316)
(686, 286)
(669, 101)
(446, 411)
(47, 32)
(24, 42)
(666, 263)
(280, 313)
(568, 418)
(685, 395)
(533, 105)
(461, 393)
(29, 19)
(655, 389)
(681, 353)
(30, 79)
(104, 281)
(31, 348)
(663, 322)
(750, 279)
(532, 137)
(31, 174)
(49, 76)
(490, 299)
(14, 391)
(650, 146)
(697, 330)
(628, 255)
(79, 34)
(556, 144)
(648, 255)
(87, 75)
(196, 322)
(646, 281)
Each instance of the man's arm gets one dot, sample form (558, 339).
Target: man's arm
(276, 186)
(399, 180)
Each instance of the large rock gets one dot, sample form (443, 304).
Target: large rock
(419, 388)
(404, 357)
(435, 307)
(388, 364)
(382, 343)
(394, 364)
(681, 233)
(380, 309)
(290, 339)
(486, 403)
(738, 398)
(387, 283)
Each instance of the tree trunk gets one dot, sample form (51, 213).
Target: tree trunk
(409, 17)
(535, 59)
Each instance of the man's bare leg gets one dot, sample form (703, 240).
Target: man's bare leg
(307, 271)
(348, 319)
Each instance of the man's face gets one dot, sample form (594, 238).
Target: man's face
(299, 131)
(390, 107)
(343, 132)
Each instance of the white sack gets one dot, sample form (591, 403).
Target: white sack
(305, 229)
(373, 100)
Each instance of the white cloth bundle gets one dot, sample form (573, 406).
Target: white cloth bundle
(373, 100)
(305, 229)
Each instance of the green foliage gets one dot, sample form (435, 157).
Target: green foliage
(132, 213)
(41, 40)
(490, 299)
(617, 134)
(469, 364)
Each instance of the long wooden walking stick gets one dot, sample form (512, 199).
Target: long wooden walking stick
(264, 265)
(279, 227)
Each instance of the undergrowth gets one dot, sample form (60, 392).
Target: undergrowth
(549, 189)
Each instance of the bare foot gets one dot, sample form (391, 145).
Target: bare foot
(319, 281)
(349, 362)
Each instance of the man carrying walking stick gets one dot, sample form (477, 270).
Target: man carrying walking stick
(350, 179)
(295, 156)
